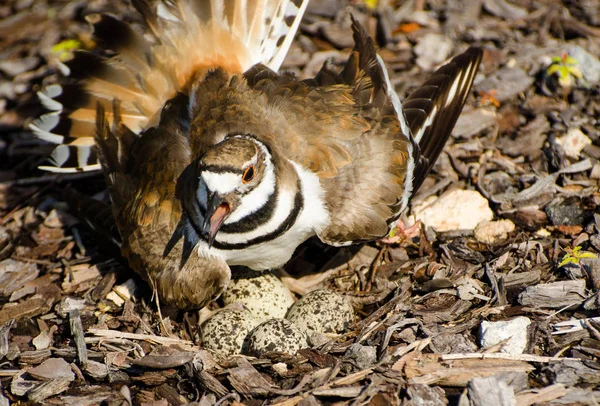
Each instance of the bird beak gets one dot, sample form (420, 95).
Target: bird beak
(216, 212)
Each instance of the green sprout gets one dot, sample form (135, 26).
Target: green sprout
(371, 4)
(575, 256)
(565, 67)
(64, 49)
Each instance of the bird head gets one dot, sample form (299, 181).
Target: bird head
(220, 190)
(235, 178)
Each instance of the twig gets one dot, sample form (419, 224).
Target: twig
(142, 337)
(509, 357)
(77, 332)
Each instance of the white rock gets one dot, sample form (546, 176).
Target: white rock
(432, 50)
(281, 368)
(454, 210)
(574, 142)
(589, 65)
(363, 356)
(491, 232)
(514, 331)
(260, 292)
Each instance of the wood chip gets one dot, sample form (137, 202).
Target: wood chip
(78, 336)
(15, 274)
(556, 295)
(247, 380)
(433, 369)
(48, 389)
(164, 362)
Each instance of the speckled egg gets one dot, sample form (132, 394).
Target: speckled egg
(276, 335)
(261, 292)
(322, 311)
(225, 332)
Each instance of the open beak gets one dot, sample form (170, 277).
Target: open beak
(216, 212)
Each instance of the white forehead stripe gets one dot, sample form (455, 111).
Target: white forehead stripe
(221, 183)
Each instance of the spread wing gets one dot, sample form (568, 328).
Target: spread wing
(390, 160)
(187, 38)
(142, 188)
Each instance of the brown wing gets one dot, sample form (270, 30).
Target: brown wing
(391, 159)
(141, 183)
(316, 123)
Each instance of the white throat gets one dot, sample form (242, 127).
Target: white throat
(273, 253)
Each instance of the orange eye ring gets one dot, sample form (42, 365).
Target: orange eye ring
(248, 174)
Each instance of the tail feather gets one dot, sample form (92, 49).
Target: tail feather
(188, 38)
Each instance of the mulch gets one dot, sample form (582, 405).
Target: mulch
(77, 327)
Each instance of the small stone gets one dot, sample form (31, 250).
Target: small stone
(472, 122)
(493, 232)
(514, 331)
(363, 355)
(507, 82)
(225, 332)
(588, 64)
(276, 335)
(15, 67)
(565, 211)
(454, 210)
(504, 10)
(317, 339)
(432, 50)
(281, 368)
(573, 142)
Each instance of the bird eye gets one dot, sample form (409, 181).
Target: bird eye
(248, 174)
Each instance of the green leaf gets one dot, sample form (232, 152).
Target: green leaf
(568, 259)
(569, 60)
(64, 49)
(552, 69)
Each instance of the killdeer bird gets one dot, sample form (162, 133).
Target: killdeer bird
(214, 159)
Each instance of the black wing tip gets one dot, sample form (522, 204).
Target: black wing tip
(362, 40)
(419, 105)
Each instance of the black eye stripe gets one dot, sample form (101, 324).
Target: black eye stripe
(221, 169)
